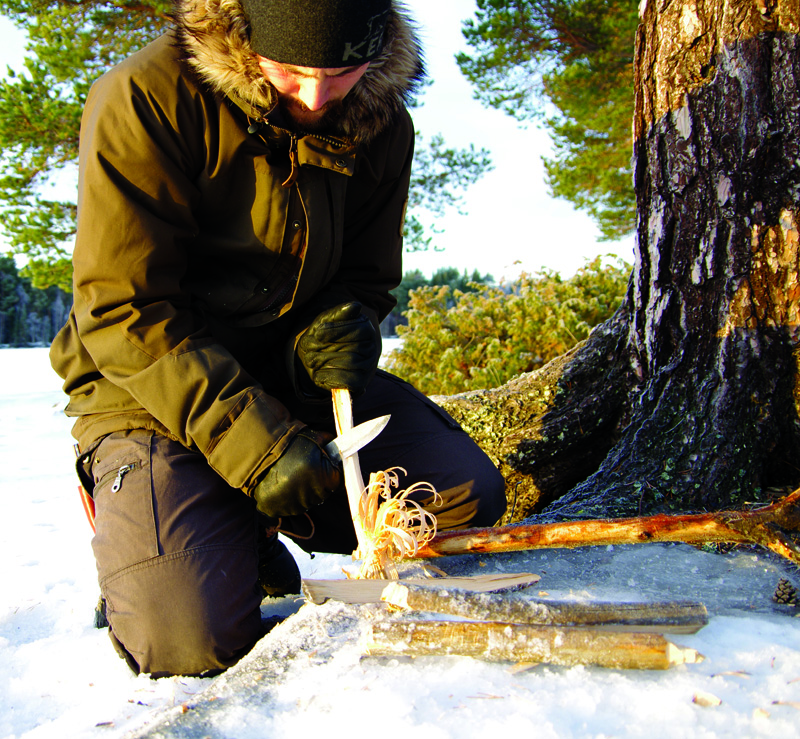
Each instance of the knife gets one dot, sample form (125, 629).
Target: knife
(349, 442)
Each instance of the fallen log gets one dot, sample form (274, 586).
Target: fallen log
(499, 642)
(684, 617)
(775, 527)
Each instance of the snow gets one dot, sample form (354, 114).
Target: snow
(59, 677)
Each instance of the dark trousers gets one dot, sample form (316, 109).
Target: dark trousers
(176, 547)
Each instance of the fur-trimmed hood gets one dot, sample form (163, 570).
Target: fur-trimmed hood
(214, 37)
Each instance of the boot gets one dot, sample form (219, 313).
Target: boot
(100, 620)
(277, 571)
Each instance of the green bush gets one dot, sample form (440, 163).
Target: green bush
(457, 341)
(413, 280)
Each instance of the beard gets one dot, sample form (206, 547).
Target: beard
(301, 119)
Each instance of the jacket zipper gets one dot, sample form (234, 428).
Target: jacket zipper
(280, 297)
(337, 143)
(294, 162)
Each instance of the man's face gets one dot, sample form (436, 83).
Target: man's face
(310, 97)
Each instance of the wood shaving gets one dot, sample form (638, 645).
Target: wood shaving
(522, 667)
(707, 700)
(793, 704)
(394, 525)
(733, 673)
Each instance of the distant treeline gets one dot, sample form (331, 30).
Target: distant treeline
(28, 316)
(445, 277)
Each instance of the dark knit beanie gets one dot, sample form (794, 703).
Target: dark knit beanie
(317, 33)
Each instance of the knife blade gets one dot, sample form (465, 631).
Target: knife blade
(349, 442)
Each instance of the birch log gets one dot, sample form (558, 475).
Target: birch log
(498, 642)
(370, 590)
(684, 617)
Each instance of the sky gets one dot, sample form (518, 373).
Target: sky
(512, 223)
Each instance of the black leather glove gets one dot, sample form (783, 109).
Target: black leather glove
(340, 349)
(302, 478)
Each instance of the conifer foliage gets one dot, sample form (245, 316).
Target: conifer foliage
(568, 63)
(69, 46)
(28, 317)
(467, 340)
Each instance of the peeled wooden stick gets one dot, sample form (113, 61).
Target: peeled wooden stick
(389, 525)
(370, 591)
(774, 527)
(499, 642)
(353, 481)
(685, 617)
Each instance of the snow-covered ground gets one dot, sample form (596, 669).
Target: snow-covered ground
(59, 677)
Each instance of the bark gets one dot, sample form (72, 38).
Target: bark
(688, 398)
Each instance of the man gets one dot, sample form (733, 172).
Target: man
(243, 181)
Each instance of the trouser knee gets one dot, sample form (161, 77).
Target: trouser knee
(187, 614)
(176, 555)
(429, 444)
(431, 447)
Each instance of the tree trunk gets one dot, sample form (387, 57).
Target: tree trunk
(687, 399)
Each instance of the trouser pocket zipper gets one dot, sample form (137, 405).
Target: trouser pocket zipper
(117, 476)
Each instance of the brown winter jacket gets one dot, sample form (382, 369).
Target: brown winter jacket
(202, 252)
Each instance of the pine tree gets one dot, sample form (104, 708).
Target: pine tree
(568, 63)
(28, 315)
(69, 46)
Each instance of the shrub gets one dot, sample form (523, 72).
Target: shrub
(457, 341)
(413, 280)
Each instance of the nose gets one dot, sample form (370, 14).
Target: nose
(314, 93)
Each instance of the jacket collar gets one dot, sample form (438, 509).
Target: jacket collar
(214, 38)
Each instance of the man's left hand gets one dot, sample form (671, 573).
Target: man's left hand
(340, 349)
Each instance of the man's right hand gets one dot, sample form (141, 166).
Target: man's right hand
(302, 478)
